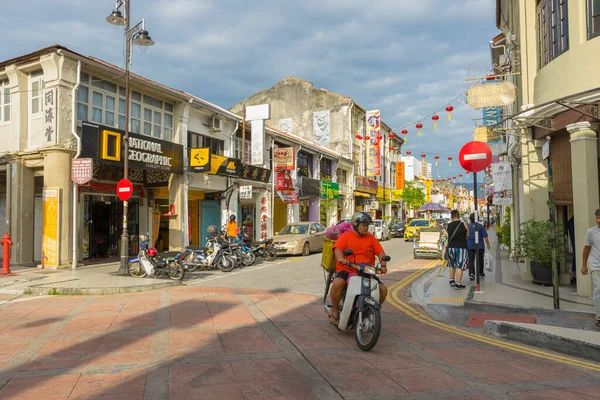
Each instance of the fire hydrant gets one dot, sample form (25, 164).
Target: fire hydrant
(6, 242)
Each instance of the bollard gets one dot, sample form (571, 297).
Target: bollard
(6, 242)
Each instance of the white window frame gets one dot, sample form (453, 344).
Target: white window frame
(39, 78)
(166, 132)
(237, 149)
(5, 107)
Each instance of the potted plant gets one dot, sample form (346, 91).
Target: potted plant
(535, 244)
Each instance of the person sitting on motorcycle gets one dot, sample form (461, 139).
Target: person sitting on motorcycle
(365, 247)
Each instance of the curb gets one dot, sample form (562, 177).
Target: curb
(545, 340)
(495, 308)
(46, 289)
(20, 281)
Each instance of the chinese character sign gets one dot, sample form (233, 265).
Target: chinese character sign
(262, 208)
(373, 124)
(245, 192)
(50, 226)
(49, 115)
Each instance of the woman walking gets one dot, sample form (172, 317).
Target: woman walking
(456, 250)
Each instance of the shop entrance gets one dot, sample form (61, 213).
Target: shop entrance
(103, 216)
(210, 215)
(247, 220)
(280, 217)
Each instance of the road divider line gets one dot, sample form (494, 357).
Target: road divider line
(426, 319)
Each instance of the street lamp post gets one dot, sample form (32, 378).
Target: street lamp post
(137, 35)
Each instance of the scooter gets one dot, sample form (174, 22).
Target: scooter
(359, 306)
(207, 258)
(149, 262)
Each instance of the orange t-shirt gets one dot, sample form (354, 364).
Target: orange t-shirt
(365, 249)
(231, 229)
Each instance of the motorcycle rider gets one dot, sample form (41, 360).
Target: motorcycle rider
(365, 247)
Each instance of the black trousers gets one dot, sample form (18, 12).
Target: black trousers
(472, 261)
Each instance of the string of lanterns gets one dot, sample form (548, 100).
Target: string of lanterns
(434, 117)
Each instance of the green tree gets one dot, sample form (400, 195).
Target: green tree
(413, 197)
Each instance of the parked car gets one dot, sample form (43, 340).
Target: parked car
(415, 225)
(380, 229)
(397, 229)
(300, 238)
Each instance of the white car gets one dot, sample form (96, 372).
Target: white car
(380, 229)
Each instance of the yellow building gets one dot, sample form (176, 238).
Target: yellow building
(551, 50)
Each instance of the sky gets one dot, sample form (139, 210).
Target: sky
(407, 58)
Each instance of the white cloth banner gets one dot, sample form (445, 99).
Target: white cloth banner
(258, 142)
(502, 177)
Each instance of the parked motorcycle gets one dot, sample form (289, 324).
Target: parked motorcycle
(149, 262)
(196, 257)
(264, 249)
(359, 306)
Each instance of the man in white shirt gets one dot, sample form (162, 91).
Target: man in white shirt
(591, 262)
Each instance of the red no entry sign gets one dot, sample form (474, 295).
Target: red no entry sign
(124, 189)
(475, 156)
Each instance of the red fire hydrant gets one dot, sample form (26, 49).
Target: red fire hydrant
(6, 242)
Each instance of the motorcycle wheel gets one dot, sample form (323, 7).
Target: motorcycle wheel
(226, 264)
(175, 271)
(136, 269)
(367, 335)
(270, 255)
(190, 267)
(249, 259)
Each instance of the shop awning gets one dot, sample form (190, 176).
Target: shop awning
(361, 194)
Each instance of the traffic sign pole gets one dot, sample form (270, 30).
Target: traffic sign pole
(476, 262)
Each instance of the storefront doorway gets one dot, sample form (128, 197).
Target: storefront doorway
(210, 214)
(103, 216)
(247, 220)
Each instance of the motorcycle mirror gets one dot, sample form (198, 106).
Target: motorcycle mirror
(348, 252)
(386, 258)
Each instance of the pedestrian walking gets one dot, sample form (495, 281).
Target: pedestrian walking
(456, 250)
(483, 238)
(591, 262)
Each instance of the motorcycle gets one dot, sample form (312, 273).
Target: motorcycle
(359, 308)
(263, 249)
(207, 258)
(149, 262)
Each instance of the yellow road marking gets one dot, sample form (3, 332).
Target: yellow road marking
(447, 299)
(395, 300)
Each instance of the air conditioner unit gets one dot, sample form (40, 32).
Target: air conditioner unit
(374, 205)
(216, 124)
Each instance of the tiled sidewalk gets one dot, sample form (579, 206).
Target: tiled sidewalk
(213, 343)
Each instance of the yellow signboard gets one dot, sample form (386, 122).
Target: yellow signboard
(50, 226)
(485, 134)
(396, 194)
(200, 159)
(496, 94)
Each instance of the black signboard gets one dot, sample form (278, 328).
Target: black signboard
(257, 174)
(310, 187)
(106, 145)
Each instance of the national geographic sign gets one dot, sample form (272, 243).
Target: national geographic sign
(105, 145)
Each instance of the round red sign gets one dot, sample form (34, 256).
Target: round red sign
(475, 156)
(124, 189)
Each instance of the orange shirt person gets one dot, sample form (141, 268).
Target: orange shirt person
(232, 229)
(365, 247)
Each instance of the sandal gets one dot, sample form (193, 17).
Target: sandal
(335, 319)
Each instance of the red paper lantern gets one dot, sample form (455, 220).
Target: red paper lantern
(423, 157)
(436, 159)
(419, 126)
(391, 134)
(408, 153)
(435, 118)
(450, 161)
(379, 137)
(391, 148)
(449, 109)
(460, 177)
(405, 131)
(359, 137)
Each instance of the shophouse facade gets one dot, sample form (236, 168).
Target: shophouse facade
(550, 50)
(335, 122)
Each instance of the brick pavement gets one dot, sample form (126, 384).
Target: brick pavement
(216, 343)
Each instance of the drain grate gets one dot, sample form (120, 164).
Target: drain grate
(477, 320)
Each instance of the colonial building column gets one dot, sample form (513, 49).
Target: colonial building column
(584, 162)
